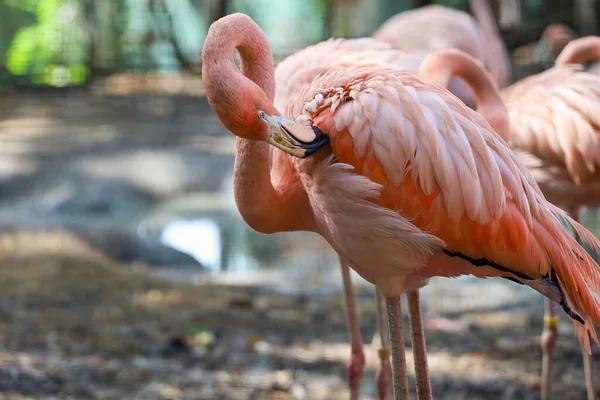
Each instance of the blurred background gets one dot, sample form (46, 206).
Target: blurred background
(125, 268)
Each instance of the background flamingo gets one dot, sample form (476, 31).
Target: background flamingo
(510, 217)
(555, 117)
(435, 27)
(553, 40)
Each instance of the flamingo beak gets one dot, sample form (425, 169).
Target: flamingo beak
(292, 138)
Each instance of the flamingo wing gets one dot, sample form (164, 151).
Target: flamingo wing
(432, 28)
(555, 115)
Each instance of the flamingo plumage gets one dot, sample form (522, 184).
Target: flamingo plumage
(297, 71)
(435, 27)
(410, 198)
(554, 117)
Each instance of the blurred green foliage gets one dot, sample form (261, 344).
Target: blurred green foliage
(51, 49)
(65, 42)
(459, 4)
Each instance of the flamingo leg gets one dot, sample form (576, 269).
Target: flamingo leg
(399, 375)
(548, 339)
(589, 375)
(384, 371)
(356, 365)
(419, 347)
(550, 336)
(588, 366)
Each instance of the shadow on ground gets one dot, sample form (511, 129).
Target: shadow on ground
(76, 324)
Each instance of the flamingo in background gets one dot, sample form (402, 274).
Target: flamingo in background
(435, 27)
(495, 222)
(555, 116)
(553, 40)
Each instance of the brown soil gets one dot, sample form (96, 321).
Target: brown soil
(76, 325)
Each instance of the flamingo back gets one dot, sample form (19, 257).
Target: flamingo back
(555, 115)
(432, 28)
(299, 69)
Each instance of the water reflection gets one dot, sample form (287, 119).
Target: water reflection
(200, 239)
(299, 263)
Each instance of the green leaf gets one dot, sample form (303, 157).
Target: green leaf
(21, 53)
(46, 10)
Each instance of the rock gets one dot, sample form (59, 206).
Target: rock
(175, 346)
(128, 247)
(102, 198)
(61, 198)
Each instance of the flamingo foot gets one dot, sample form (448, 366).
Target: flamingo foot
(384, 374)
(356, 367)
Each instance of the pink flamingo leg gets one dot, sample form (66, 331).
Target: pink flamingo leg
(589, 375)
(384, 371)
(588, 366)
(419, 347)
(400, 377)
(548, 339)
(357, 359)
(550, 336)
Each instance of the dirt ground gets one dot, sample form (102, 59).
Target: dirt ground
(75, 325)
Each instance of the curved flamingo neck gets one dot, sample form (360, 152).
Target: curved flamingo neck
(264, 201)
(441, 66)
(580, 50)
(498, 57)
(236, 97)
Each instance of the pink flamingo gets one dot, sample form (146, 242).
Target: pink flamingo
(553, 40)
(435, 27)
(297, 71)
(483, 232)
(555, 116)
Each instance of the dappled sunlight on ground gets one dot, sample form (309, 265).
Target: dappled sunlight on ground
(73, 323)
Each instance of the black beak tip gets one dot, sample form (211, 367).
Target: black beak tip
(318, 133)
(321, 140)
